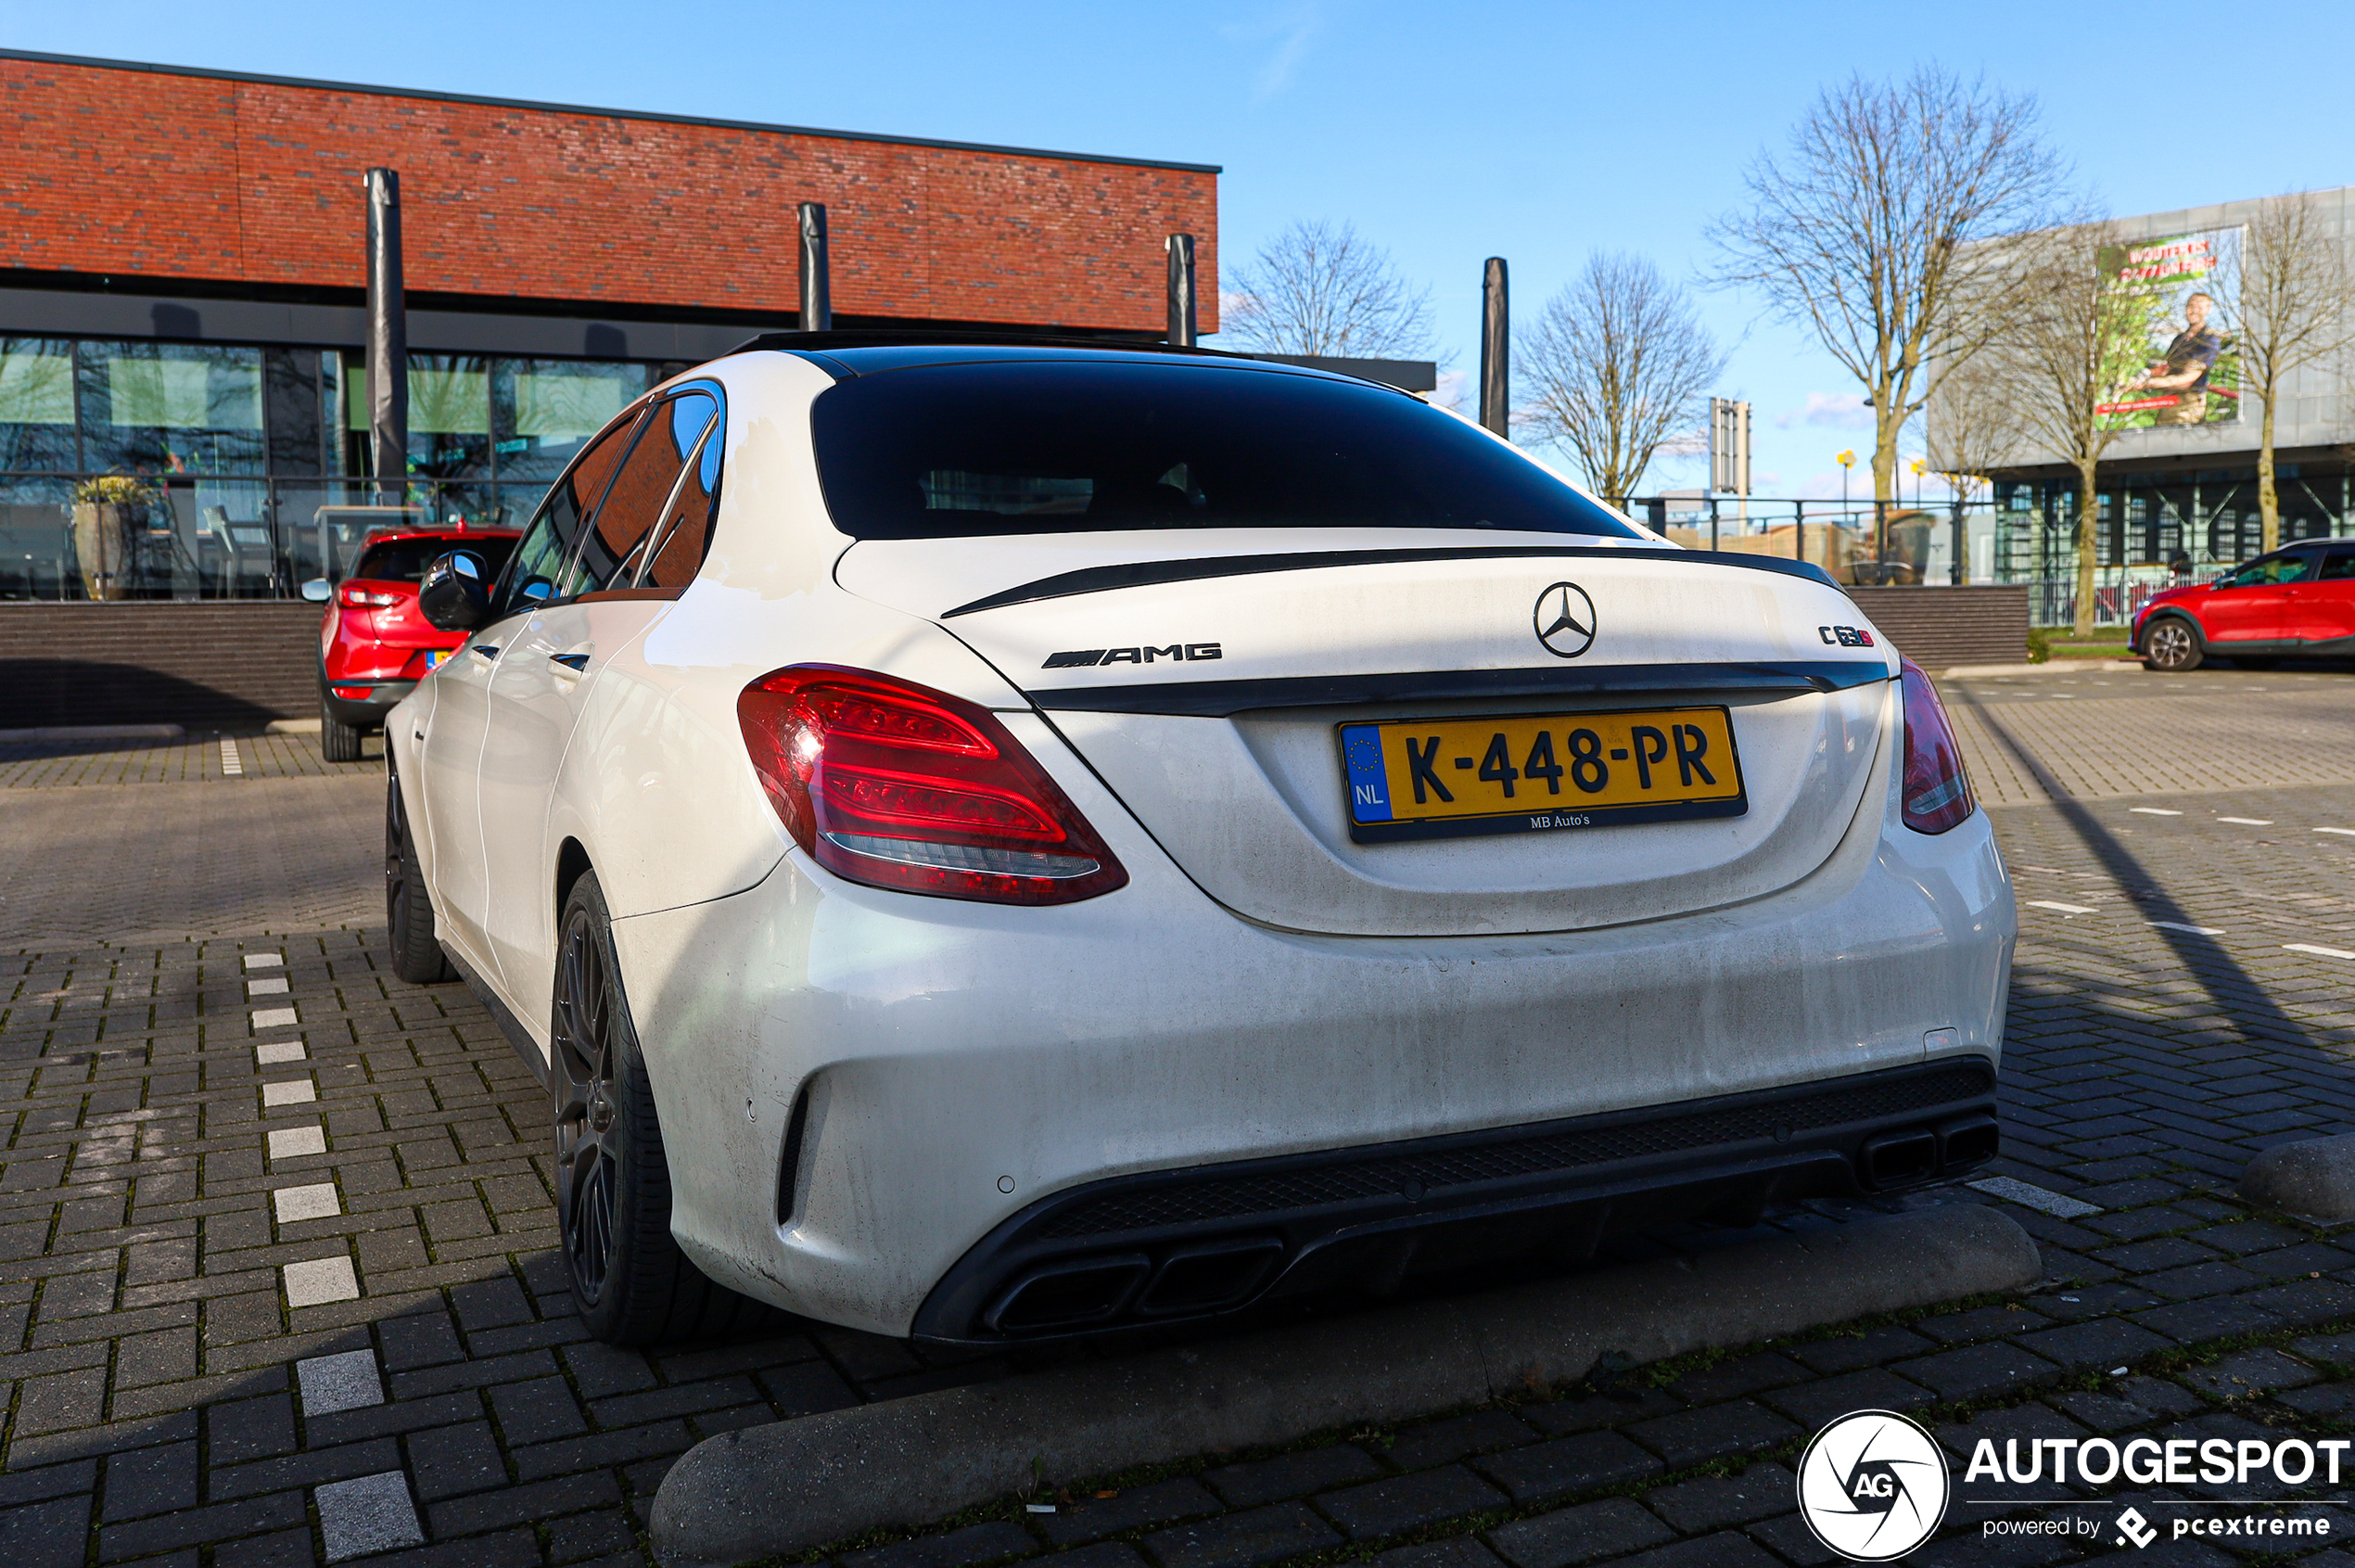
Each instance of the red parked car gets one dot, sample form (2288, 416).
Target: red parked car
(373, 646)
(2296, 603)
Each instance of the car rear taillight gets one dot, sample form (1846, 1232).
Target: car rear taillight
(356, 597)
(1937, 792)
(897, 785)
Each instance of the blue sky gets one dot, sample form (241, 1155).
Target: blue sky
(1445, 133)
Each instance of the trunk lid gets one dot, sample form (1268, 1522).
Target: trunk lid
(1206, 684)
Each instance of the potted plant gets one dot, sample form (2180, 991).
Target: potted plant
(105, 511)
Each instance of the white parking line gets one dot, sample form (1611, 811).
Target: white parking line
(275, 1053)
(268, 985)
(321, 1281)
(2031, 1196)
(264, 961)
(317, 1200)
(2310, 948)
(2194, 930)
(275, 1018)
(2065, 908)
(292, 1143)
(2152, 812)
(294, 1091)
(366, 1516)
(230, 764)
(2342, 831)
(2248, 821)
(344, 1382)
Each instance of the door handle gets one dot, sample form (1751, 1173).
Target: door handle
(574, 662)
(487, 650)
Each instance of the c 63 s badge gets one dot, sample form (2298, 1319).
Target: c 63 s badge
(1081, 658)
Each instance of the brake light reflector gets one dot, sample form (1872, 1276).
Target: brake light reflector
(897, 785)
(358, 598)
(1936, 791)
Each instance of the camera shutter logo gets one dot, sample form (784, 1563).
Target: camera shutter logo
(1873, 1485)
(1564, 620)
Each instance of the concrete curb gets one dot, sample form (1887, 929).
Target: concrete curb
(799, 1483)
(2314, 1178)
(2054, 667)
(93, 733)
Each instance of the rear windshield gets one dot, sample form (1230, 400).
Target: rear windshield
(404, 560)
(953, 451)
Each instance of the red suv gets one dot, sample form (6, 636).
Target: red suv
(2295, 602)
(373, 646)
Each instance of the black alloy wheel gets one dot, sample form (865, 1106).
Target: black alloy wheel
(631, 1283)
(416, 951)
(581, 1076)
(2169, 643)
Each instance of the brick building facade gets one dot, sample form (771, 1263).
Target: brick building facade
(182, 280)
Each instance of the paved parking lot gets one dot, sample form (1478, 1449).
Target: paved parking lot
(276, 1286)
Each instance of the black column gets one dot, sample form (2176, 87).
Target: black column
(1496, 351)
(1182, 316)
(387, 337)
(817, 287)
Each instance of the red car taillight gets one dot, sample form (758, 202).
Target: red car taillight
(359, 598)
(1936, 791)
(897, 785)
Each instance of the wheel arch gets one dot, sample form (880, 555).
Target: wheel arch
(572, 864)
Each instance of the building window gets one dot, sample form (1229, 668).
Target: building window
(543, 410)
(170, 408)
(36, 405)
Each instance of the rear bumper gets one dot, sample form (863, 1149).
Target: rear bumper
(876, 1096)
(363, 713)
(1215, 1239)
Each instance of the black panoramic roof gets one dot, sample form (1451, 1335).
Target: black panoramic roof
(848, 353)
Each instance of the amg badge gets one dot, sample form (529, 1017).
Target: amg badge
(1078, 659)
(1846, 636)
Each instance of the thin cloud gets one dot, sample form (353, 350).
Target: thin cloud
(1292, 30)
(1838, 410)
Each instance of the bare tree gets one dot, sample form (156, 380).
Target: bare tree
(1619, 366)
(2070, 344)
(1857, 232)
(1971, 423)
(1317, 288)
(2298, 308)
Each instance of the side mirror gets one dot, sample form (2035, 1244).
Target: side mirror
(456, 594)
(318, 591)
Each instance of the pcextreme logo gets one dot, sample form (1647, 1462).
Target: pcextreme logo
(1873, 1485)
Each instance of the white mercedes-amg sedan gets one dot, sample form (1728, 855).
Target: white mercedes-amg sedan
(992, 841)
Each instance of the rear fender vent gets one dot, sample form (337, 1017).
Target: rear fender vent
(789, 1163)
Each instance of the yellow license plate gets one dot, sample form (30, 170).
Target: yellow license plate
(1451, 778)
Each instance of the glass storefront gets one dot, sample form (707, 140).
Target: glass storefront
(167, 470)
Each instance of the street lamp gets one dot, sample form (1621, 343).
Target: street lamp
(1918, 467)
(1846, 460)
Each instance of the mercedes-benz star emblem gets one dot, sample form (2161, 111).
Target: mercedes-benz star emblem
(1565, 620)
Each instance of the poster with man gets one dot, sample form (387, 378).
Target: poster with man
(2179, 295)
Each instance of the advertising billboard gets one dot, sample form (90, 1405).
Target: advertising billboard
(2175, 299)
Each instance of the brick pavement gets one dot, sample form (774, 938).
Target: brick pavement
(216, 1351)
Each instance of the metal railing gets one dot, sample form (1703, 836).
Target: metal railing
(207, 537)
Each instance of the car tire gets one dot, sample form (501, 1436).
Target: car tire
(416, 949)
(631, 1283)
(339, 741)
(2169, 643)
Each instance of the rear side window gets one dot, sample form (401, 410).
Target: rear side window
(547, 544)
(2338, 565)
(652, 508)
(1062, 447)
(404, 560)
